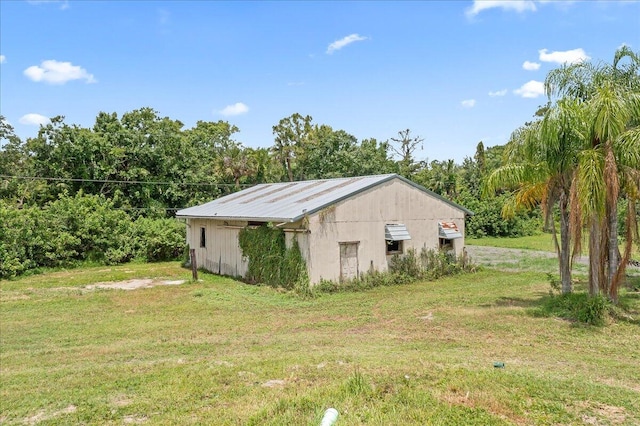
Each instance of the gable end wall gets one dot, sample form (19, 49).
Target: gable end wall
(362, 219)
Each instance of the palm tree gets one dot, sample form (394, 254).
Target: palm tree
(541, 164)
(609, 161)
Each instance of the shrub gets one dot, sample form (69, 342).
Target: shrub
(79, 228)
(405, 269)
(579, 307)
(159, 239)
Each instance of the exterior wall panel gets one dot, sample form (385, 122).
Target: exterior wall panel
(222, 254)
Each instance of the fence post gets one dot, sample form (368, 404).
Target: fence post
(194, 267)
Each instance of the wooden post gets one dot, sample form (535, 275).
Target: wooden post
(194, 267)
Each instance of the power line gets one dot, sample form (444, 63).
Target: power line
(244, 185)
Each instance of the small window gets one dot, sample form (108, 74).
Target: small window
(394, 235)
(394, 247)
(445, 244)
(203, 237)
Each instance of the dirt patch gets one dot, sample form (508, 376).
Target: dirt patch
(133, 284)
(273, 383)
(492, 256)
(508, 259)
(42, 415)
(134, 419)
(602, 414)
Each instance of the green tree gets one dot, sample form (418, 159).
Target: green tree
(329, 153)
(542, 160)
(608, 164)
(373, 158)
(291, 138)
(236, 163)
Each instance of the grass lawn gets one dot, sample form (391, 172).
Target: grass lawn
(226, 353)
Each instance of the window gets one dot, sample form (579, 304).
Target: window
(447, 232)
(394, 235)
(445, 244)
(203, 237)
(394, 247)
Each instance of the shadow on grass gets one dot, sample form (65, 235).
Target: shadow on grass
(578, 308)
(517, 302)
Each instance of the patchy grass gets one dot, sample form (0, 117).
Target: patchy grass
(222, 352)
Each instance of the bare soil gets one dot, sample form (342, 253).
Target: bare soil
(499, 257)
(133, 284)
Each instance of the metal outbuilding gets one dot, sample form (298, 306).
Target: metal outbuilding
(344, 226)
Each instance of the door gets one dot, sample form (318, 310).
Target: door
(348, 261)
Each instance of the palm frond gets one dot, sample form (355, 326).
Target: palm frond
(609, 112)
(530, 195)
(591, 186)
(627, 148)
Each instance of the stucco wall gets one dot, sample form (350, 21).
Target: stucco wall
(362, 219)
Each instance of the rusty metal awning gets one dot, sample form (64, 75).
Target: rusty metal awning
(396, 232)
(448, 230)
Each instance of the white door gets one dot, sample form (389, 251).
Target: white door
(348, 261)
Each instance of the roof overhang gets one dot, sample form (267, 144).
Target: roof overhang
(238, 218)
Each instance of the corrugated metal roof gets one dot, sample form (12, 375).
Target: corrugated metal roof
(396, 232)
(290, 201)
(448, 230)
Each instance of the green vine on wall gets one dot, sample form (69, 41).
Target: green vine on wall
(270, 261)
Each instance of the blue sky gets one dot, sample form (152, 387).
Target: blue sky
(454, 72)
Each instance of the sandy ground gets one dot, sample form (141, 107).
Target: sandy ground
(133, 284)
(491, 256)
(501, 257)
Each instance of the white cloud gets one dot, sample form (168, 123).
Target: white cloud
(54, 72)
(498, 93)
(530, 66)
(468, 103)
(339, 44)
(567, 57)
(3, 59)
(33, 119)
(515, 5)
(531, 89)
(236, 109)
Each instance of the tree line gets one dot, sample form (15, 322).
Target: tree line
(141, 165)
(149, 164)
(572, 164)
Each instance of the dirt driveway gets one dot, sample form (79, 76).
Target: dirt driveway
(513, 260)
